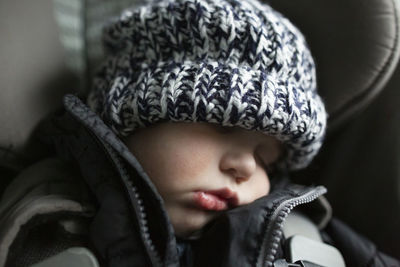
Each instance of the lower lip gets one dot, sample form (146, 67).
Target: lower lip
(209, 202)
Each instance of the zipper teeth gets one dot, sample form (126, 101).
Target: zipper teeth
(140, 209)
(278, 219)
(132, 192)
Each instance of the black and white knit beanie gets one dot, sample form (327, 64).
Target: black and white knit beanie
(229, 62)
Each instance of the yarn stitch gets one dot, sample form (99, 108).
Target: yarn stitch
(229, 62)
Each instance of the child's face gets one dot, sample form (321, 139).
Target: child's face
(202, 169)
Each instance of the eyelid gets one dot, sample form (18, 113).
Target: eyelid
(262, 162)
(224, 129)
(269, 152)
(269, 167)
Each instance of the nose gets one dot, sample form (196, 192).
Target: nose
(240, 165)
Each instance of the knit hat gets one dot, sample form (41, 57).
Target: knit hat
(229, 62)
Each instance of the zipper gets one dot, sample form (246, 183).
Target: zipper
(137, 204)
(133, 194)
(274, 229)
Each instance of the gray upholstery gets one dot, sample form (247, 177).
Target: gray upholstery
(33, 76)
(356, 47)
(40, 191)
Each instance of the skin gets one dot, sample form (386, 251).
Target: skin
(182, 158)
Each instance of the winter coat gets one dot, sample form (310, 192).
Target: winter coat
(96, 183)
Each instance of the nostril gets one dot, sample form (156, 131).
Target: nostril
(240, 180)
(238, 165)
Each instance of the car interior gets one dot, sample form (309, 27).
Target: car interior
(51, 47)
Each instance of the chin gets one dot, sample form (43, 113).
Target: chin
(189, 226)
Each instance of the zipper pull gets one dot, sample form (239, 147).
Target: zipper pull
(284, 263)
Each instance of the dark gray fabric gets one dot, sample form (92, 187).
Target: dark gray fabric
(33, 209)
(357, 250)
(42, 242)
(50, 175)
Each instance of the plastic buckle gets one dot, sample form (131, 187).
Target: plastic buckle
(76, 256)
(284, 263)
(307, 252)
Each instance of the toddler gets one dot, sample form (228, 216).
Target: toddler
(195, 119)
(211, 96)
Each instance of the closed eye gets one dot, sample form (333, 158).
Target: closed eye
(268, 160)
(224, 129)
(271, 170)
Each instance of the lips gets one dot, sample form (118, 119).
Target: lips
(216, 200)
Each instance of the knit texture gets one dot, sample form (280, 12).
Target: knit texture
(229, 62)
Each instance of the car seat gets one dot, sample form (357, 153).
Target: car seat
(356, 47)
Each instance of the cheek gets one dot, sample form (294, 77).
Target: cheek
(189, 159)
(258, 187)
(263, 188)
(174, 165)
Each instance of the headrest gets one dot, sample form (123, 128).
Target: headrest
(355, 45)
(33, 76)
